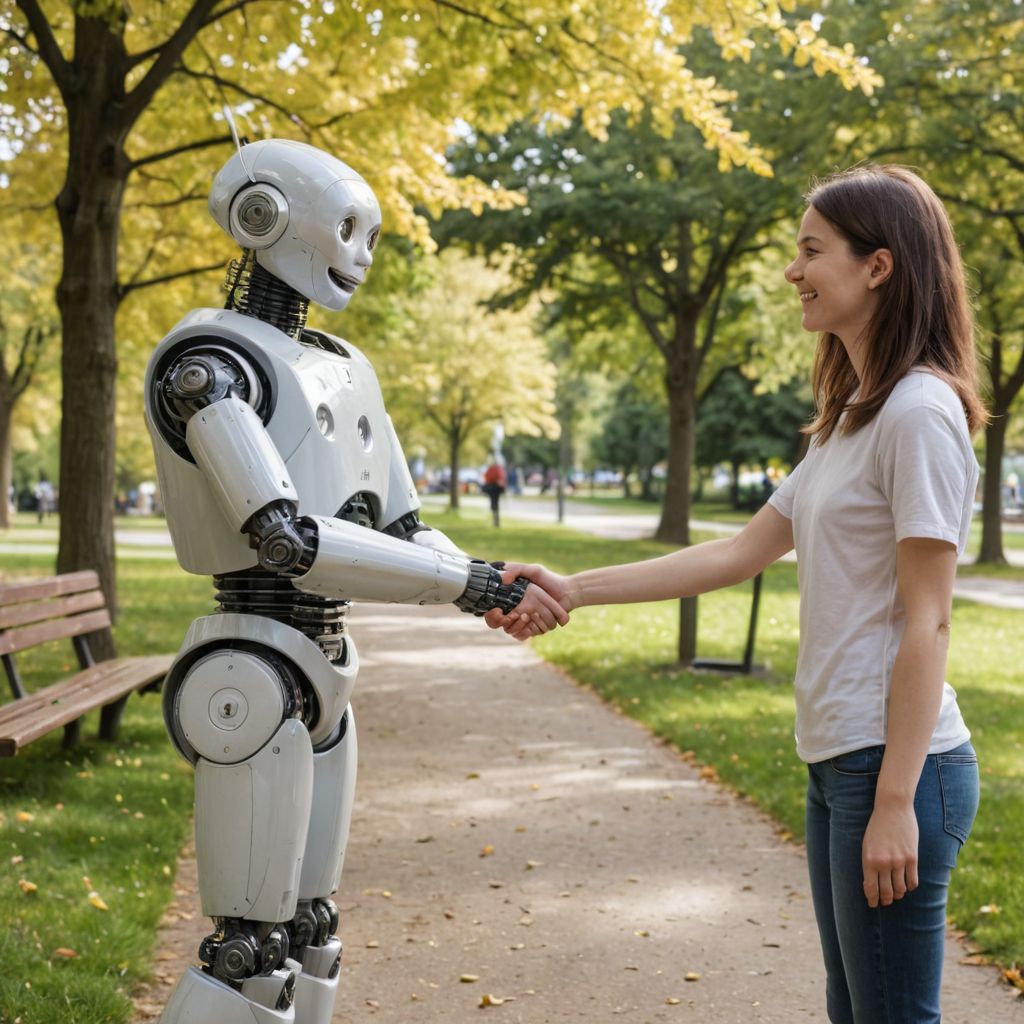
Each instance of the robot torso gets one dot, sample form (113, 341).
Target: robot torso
(321, 405)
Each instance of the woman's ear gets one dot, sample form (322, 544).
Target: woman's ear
(880, 267)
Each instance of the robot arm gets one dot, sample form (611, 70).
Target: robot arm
(325, 556)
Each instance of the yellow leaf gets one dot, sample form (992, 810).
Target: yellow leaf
(692, 976)
(468, 979)
(24, 817)
(672, 1001)
(488, 1000)
(27, 886)
(487, 850)
(1014, 977)
(97, 901)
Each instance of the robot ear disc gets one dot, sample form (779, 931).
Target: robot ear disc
(259, 215)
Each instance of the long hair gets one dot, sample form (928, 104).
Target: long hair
(923, 316)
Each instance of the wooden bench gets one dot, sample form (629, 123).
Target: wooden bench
(37, 611)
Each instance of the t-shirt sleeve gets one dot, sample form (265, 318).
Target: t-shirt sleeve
(782, 497)
(926, 468)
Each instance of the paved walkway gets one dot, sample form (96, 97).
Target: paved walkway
(515, 838)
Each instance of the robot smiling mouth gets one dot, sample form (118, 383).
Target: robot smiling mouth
(343, 281)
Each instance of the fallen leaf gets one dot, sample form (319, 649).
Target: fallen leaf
(531, 864)
(489, 1000)
(692, 976)
(67, 954)
(373, 1003)
(24, 817)
(643, 933)
(373, 944)
(449, 914)
(27, 886)
(87, 881)
(708, 773)
(989, 908)
(17, 859)
(425, 839)
(468, 979)
(487, 850)
(472, 775)
(672, 1001)
(97, 901)
(1014, 977)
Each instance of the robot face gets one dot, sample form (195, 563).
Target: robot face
(312, 220)
(344, 232)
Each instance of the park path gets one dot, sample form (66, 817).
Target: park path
(512, 829)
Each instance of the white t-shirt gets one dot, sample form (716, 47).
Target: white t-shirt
(911, 472)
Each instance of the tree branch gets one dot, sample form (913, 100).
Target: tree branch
(21, 40)
(49, 50)
(124, 290)
(153, 158)
(166, 60)
(224, 83)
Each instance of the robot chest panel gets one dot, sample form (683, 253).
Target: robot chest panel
(331, 426)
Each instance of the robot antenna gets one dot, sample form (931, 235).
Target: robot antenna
(230, 118)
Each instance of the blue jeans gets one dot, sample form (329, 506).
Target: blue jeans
(884, 965)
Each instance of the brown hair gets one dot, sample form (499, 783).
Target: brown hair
(923, 317)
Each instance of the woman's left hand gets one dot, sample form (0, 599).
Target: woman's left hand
(889, 854)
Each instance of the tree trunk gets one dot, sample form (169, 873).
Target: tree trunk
(6, 412)
(992, 491)
(674, 527)
(89, 209)
(454, 444)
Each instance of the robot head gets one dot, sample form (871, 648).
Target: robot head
(312, 220)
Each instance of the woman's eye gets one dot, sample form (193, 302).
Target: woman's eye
(347, 228)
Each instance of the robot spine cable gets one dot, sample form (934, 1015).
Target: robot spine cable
(258, 293)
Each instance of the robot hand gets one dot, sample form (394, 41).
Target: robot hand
(484, 589)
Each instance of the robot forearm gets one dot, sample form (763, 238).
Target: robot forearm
(344, 561)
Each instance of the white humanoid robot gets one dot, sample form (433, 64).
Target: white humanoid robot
(282, 478)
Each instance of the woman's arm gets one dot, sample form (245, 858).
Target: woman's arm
(925, 570)
(693, 570)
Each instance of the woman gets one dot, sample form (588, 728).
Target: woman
(877, 511)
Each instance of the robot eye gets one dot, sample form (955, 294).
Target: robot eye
(371, 242)
(347, 228)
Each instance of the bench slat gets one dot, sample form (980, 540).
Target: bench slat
(39, 611)
(27, 719)
(16, 591)
(28, 636)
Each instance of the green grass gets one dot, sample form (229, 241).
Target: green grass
(742, 726)
(115, 814)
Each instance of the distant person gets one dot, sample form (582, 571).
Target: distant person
(878, 511)
(494, 485)
(44, 495)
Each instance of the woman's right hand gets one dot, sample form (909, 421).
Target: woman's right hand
(522, 623)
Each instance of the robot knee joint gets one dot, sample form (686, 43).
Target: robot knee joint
(229, 704)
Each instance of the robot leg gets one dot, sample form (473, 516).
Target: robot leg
(312, 932)
(254, 789)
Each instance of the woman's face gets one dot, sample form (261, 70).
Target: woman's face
(836, 289)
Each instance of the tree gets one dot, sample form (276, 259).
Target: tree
(456, 368)
(105, 101)
(650, 225)
(952, 107)
(740, 425)
(633, 438)
(26, 330)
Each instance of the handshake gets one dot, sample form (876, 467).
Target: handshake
(545, 605)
